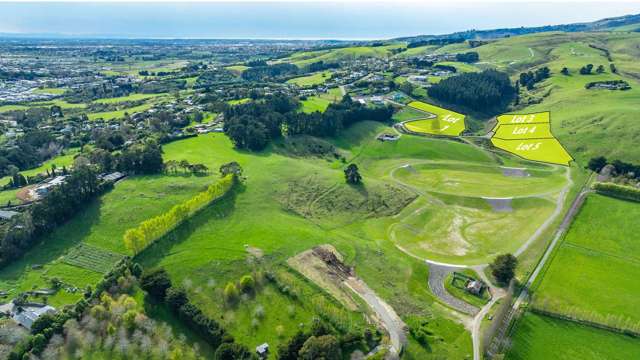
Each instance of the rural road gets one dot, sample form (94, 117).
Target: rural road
(437, 277)
(385, 313)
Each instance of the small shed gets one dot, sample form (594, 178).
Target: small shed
(262, 350)
(475, 287)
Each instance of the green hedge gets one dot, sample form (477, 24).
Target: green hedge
(617, 191)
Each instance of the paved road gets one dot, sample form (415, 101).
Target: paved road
(437, 277)
(385, 313)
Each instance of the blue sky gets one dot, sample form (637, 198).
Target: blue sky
(325, 20)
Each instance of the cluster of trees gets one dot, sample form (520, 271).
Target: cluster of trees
(321, 343)
(468, 57)
(270, 72)
(251, 126)
(149, 231)
(28, 152)
(137, 159)
(48, 326)
(158, 284)
(439, 41)
(621, 167)
(196, 169)
(489, 91)
(58, 206)
(588, 69)
(105, 90)
(321, 65)
(530, 78)
(503, 268)
(618, 191)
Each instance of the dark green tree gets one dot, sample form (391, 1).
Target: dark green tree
(351, 174)
(503, 268)
(597, 163)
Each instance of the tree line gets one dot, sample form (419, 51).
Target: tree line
(252, 126)
(489, 91)
(269, 72)
(139, 238)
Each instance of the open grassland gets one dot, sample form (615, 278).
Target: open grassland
(480, 181)
(54, 91)
(469, 230)
(594, 273)
(580, 116)
(460, 66)
(215, 242)
(131, 97)
(446, 122)
(305, 58)
(311, 80)
(101, 225)
(117, 114)
(238, 69)
(321, 101)
(540, 337)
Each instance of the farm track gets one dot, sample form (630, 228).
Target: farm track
(437, 278)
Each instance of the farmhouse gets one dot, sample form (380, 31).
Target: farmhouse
(43, 189)
(25, 315)
(474, 287)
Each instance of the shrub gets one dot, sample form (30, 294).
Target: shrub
(247, 284)
(156, 283)
(176, 298)
(617, 191)
(231, 293)
(321, 347)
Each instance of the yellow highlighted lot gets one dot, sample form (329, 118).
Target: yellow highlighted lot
(525, 131)
(445, 122)
(545, 150)
(542, 117)
(529, 136)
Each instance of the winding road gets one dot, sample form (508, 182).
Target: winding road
(438, 271)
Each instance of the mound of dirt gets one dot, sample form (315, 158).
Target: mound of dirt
(313, 198)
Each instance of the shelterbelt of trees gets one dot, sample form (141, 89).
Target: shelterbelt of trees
(253, 125)
(149, 231)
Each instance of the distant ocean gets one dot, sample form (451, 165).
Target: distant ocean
(308, 20)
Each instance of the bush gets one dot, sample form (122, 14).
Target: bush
(156, 282)
(321, 347)
(247, 284)
(231, 293)
(617, 191)
(176, 298)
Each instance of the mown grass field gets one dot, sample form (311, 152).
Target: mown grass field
(547, 150)
(593, 273)
(131, 97)
(540, 337)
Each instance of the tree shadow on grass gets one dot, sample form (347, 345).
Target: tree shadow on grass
(55, 244)
(221, 208)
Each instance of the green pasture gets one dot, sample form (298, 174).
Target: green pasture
(463, 230)
(460, 66)
(480, 181)
(310, 80)
(117, 114)
(594, 272)
(305, 58)
(130, 97)
(238, 69)
(321, 101)
(539, 337)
